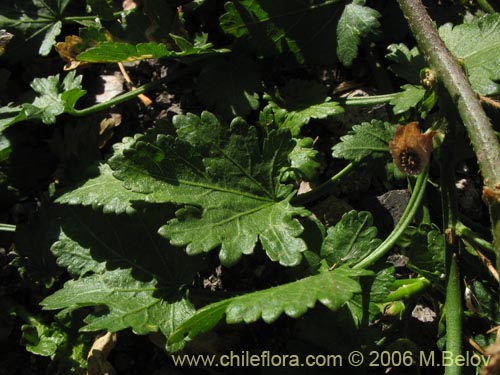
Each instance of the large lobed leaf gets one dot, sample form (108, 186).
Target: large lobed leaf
(131, 303)
(103, 191)
(477, 44)
(123, 264)
(332, 289)
(228, 181)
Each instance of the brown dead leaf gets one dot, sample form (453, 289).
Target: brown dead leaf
(68, 50)
(106, 128)
(97, 363)
(493, 366)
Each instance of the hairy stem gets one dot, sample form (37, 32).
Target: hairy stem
(406, 218)
(477, 124)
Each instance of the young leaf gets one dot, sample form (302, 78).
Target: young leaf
(42, 339)
(303, 160)
(298, 102)
(406, 63)
(230, 86)
(477, 44)
(229, 182)
(356, 22)
(54, 98)
(368, 139)
(407, 99)
(351, 239)
(332, 289)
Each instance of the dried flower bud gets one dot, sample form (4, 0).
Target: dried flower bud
(410, 149)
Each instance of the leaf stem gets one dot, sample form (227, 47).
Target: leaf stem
(407, 288)
(87, 18)
(324, 188)
(477, 124)
(7, 227)
(471, 236)
(132, 94)
(406, 218)
(485, 5)
(357, 101)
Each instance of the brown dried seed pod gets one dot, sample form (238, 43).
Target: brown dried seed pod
(410, 149)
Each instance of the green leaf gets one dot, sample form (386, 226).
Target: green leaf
(303, 160)
(332, 289)
(424, 246)
(407, 99)
(50, 38)
(281, 26)
(131, 303)
(298, 102)
(103, 191)
(34, 18)
(230, 86)
(477, 44)
(406, 63)
(351, 239)
(125, 52)
(229, 182)
(42, 339)
(483, 300)
(356, 22)
(123, 264)
(54, 98)
(369, 139)
(94, 242)
(10, 115)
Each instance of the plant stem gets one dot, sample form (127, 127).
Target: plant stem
(132, 94)
(477, 124)
(7, 227)
(324, 188)
(485, 5)
(356, 101)
(407, 288)
(87, 18)
(118, 99)
(453, 311)
(469, 235)
(406, 218)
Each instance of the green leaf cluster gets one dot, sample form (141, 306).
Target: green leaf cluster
(53, 98)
